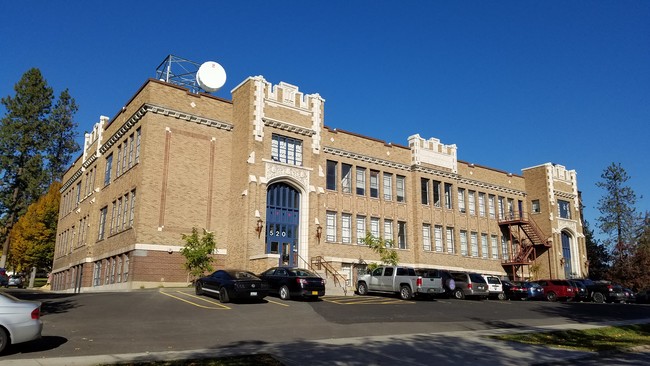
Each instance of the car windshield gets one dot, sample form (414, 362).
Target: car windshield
(475, 277)
(243, 275)
(302, 273)
(493, 280)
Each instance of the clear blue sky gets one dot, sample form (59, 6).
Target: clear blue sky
(513, 84)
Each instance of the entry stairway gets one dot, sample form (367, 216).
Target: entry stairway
(336, 284)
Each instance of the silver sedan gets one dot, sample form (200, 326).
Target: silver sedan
(20, 320)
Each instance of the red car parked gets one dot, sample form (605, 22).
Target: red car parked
(557, 289)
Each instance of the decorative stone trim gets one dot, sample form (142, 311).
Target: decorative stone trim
(493, 187)
(284, 126)
(365, 158)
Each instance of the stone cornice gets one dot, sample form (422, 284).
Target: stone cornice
(284, 126)
(365, 158)
(493, 187)
(562, 194)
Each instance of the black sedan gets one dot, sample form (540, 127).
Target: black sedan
(523, 290)
(290, 282)
(232, 284)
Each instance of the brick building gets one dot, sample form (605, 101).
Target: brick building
(276, 186)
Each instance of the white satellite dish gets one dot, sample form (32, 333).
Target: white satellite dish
(211, 76)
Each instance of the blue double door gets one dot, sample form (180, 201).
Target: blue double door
(282, 223)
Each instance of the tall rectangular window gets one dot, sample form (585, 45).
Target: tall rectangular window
(473, 237)
(401, 235)
(78, 193)
(504, 248)
(536, 207)
(424, 190)
(449, 236)
(126, 267)
(331, 175)
(131, 148)
(118, 220)
(481, 204)
(388, 187)
(102, 222)
(286, 150)
(461, 200)
(111, 227)
(472, 202)
(97, 273)
(125, 213)
(330, 234)
(374, 227)
(361, 181)
(400, 186)
(484, 246)
(125, 150)
(426, 237)
(564, 209)
(463, 242)
(132, 214)
(346, 178)
(502, 209)
(388, 232)
(346, 228)
(361, 229)
(491, 206)
(137, 145)
(118, 163)
(437, 234)
(511, 207)
(374, 184)
(448, 203)
(436, 193)
(495, 246)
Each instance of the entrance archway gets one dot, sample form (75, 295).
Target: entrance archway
(282, 222)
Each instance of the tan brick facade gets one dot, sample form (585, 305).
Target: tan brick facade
(182, 160)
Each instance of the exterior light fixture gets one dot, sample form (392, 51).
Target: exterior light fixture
(319, 232)
(259, 227)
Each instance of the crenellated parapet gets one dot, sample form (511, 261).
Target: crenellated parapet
(93, 139)
(433, 152)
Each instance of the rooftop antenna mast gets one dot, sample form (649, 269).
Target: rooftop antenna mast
(207, 77)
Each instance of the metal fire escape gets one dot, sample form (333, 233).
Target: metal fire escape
(526, 241)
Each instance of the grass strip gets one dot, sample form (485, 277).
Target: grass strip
(596, 339)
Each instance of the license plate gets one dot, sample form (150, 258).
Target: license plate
(314, 292)
(253, 293)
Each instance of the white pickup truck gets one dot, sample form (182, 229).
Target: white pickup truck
(399, 280)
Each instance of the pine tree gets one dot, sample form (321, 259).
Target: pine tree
(597, 254)
(63, 135)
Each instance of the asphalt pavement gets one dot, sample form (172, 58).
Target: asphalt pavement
(457, 348)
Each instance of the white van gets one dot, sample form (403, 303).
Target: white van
(495, 287)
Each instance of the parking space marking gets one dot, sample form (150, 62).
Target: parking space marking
(276, 303)
(373, 300)
(221, 307)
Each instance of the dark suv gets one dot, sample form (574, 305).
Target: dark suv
(470, 284)
(603, 291)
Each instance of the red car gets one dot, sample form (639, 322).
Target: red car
(557, 290)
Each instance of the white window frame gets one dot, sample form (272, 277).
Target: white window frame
(426, 237)
(346, 228)
(437, 234)
(330, 231)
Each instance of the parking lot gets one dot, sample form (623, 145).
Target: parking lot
(172, 319)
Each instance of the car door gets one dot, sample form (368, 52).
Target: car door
(213, 282)
(386, 282)
(375, 279)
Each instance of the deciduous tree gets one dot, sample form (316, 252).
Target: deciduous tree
(382, 247)
(197, 252)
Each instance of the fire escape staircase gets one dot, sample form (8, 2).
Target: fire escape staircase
(526, 239)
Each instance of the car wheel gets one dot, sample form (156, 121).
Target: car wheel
(598, 298)
(284, 293)
(4, 339)
(362, 288)
(198, 289)
(223, 295)
(501, 296)
(405, 293)
(551, 296)
(458, 294)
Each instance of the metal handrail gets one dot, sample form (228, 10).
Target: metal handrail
(522, 217)
(321, 262)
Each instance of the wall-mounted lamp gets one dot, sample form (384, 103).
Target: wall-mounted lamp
(562, 261)
(319, 232)
(170, 251)
(259, 227)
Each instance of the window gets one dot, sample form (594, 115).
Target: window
(388, 187)
(401, 235)
(113, 268)
(448, 204)
(502, 210)
(125, 147)
(463, 242)
(436, 193)
(361, 229)
(137, 147)
(504, 248)
(374, 184)
(126, 268)
(565, 209)
(473, 237)
(484, 246)
(388, 232)
(111, 227)
(536, 207)
(495, 247)
(102, 222)
(400, 184)
(438, 237)
(426, 237)
(346, 228)
(361, 181)
(481, 204)
(511, 207)
(286, 150)
(374, 227)
(424, 190)
(331, 227)
(472, 203)
(119, 269)
(346, 178)
(107, 271)
(449, 234)
(125, 213)
(118, 219)
(132, 214)
(131, 147)
(97, 273)
(331, 175)
(491, 206)
(119, 159)
(461, 200)
(78, 188)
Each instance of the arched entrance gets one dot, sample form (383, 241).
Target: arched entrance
(566, 254)
(282, 222)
